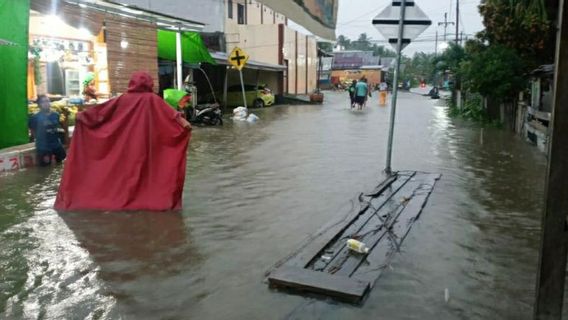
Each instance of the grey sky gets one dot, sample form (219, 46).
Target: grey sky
(355, 17)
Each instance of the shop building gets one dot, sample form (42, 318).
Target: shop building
(110, 41)
(259, 30)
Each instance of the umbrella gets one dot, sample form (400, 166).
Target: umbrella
(7, 43)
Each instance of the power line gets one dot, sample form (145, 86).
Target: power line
(374, 11)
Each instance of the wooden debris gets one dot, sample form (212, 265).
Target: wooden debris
(382, 221)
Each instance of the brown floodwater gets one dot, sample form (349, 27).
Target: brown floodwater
(254, 192)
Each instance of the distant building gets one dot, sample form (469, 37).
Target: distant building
(353, 65)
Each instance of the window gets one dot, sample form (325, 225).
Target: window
(240, 14)
(230, 9)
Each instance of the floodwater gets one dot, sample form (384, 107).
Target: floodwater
(254, 192)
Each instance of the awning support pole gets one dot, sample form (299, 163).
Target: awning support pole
(225, 86)
(179, 61)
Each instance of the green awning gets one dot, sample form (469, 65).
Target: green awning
(192, 46)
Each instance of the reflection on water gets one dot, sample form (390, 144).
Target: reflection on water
(254, 192)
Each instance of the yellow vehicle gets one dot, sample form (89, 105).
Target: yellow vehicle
(257, 96)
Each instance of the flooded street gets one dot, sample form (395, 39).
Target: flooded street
(254, 192)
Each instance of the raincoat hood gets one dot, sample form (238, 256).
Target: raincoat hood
(141, 82)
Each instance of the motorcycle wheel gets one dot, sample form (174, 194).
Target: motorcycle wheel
(258, 103)
(216, 121)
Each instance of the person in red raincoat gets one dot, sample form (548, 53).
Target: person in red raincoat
(128, 153)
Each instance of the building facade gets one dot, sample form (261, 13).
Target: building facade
(257, 29)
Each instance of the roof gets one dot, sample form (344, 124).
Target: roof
(546, 69)
(222, 58)
(163, 21)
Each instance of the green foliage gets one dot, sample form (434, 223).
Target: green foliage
(522, 25)
(420, 67)
(495, 71)
(325, 46)
(450, 59)
(472, 110)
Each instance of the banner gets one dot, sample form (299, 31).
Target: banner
(14, 26)
(318, 16)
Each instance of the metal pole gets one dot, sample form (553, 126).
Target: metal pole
(554, 239)
(225, 85)
(457, 20)
(179, 61)
(243, 87)
(445, 26)
(436, 46)
(388, 169)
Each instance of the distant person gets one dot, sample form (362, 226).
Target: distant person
(128, 153)
(89, 88)
(361, 92)
(352, 93)
(383, 91)
(46, 130)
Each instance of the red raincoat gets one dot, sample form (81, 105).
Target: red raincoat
(126, 154)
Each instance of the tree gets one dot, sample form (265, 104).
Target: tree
(325, 46)
(494, 71)
(363, 43)
(344, 42)
(382, 51)
(522, 25)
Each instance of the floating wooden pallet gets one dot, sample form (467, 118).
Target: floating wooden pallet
(381, 219)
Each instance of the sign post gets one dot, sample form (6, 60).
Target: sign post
(400, 23)
(238, 58)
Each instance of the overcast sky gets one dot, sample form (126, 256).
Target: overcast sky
(355, 17)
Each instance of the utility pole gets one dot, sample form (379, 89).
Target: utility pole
(554, 239)
(457, 20)
(436, 46)
(388, 169)
(445, 24)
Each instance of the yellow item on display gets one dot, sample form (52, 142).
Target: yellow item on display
(32, 92)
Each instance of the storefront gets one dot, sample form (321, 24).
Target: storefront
(77, 47)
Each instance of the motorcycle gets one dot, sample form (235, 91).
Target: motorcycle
(186, 102)
(209, 114)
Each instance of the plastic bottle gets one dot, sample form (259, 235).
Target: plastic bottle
(357, 246)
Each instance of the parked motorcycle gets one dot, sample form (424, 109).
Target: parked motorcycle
(209, 114)
(186, 102)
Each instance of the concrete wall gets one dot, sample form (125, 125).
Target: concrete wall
(312, 64)
(259, 41)
(289, 53)
(301, 52)
(212, 13)
(17, 158)
(256, 13)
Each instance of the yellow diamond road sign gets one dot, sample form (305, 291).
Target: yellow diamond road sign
(238, 58)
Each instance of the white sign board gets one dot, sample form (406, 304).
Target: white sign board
(415, 22)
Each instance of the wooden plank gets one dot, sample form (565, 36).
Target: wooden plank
(346, 262)
(343, 288)
(317, 244)
(400, 205)
(337, 244)
(380, 256)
